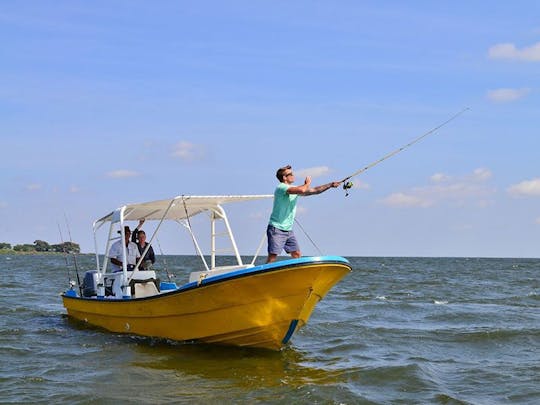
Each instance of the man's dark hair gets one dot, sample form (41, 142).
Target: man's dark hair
(280, 171)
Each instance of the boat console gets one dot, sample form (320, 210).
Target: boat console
(143, 283)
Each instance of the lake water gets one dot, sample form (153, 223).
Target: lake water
(394, 331)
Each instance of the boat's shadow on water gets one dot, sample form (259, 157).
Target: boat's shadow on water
(232, 366)
(240, 367)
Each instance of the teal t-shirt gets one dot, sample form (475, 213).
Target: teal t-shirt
(284, 208)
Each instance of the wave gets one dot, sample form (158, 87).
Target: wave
(447, 399)
(496, 335)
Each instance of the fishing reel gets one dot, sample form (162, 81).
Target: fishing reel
(347, 185)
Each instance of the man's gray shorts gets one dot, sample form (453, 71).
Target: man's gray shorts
(279, 240)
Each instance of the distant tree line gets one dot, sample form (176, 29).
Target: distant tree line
(43, 246)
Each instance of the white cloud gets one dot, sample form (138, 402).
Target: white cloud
(506, 95)
(510, 51)
(525, 188)
(462, 190)
(33, 187)
(439, 177)
(537, 221)
(188, 151)
(481, 174)
(122, 174)
(74, 189)
(313, 172)
(406, 200)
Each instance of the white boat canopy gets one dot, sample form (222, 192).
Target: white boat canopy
(178, 209)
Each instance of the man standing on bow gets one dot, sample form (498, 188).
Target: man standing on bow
(279, 232)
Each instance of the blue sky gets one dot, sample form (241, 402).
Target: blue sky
(110, 102)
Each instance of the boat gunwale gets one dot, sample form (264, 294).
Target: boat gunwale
(232, 275)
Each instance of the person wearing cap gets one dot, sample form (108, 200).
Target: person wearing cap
(279, 231)
(139, 237)
(116, 254)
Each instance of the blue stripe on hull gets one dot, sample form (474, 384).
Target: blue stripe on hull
(290, 332)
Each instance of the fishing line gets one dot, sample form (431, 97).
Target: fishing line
(309, 237)
(347, 185)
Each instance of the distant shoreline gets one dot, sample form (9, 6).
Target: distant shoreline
(15, 252)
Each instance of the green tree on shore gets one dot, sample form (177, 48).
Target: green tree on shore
(43, 246)
(24, 248)
(67, 247)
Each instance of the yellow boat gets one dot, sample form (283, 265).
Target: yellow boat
(242, 305)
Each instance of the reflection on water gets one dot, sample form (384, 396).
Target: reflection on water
(243, 368)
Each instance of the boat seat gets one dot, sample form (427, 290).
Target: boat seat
(143, 274)
(144, 289)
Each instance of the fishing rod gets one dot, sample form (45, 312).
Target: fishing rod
(348, 185)
(74, 257)
(65, 256)
(165, 267)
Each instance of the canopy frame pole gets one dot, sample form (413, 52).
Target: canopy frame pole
(258, 249)
(195, 243)
(219, 213)
(187, 224)
(213, 240)
(136, 269)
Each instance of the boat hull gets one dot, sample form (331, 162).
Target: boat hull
(258, 307)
